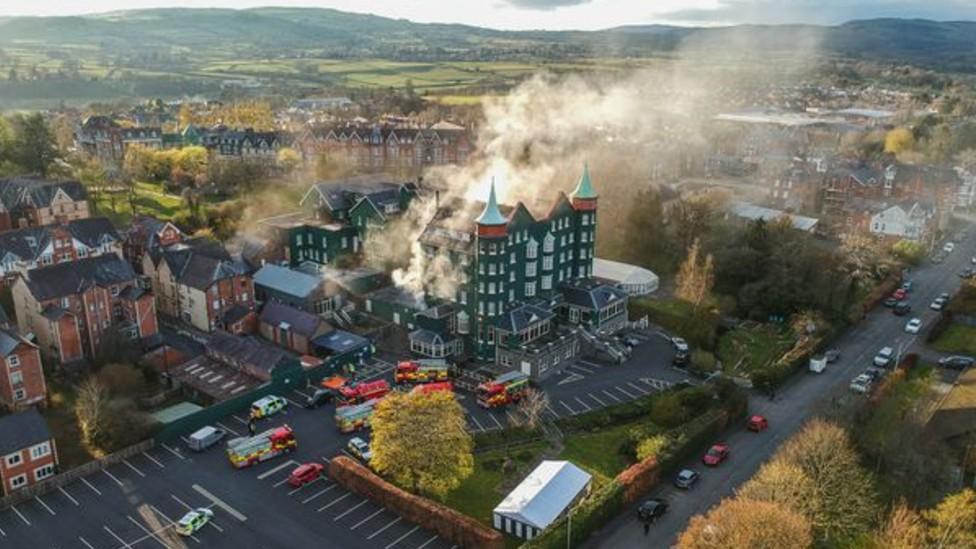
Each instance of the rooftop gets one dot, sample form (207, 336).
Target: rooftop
(22, 430)
(544, 494)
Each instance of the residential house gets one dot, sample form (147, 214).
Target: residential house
(908, 221)
(68, 307)
(28, 201)
(28, 453)
(386, 147)
(21, 374)
(291, 328)
(198, 282)
(307, 292)
(245, 144)
(32, 247)
(104, 138)
(147, 234)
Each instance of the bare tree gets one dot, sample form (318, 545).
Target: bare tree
(695, 277)
(90, 408)
(529, 410)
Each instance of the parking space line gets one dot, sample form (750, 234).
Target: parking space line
(639, 389)
(2, 533)
(591, 395)
(133, 467)
(624, 391)
(90, 486)
(280, 482)
(333, 502)
(154, 460)
(351, 509)
(67, 495)
(611, 395)
(572, 412)
(309, 483)
(220, 503)
(317, 494)
(292, 402)
(428, 542)
(299, 393)
(44, 505)
(403, 537)
(367, 519)
(239, 419)
(172, 451)
(113, 477)
(169, 520)
(476, 422)
(116, 536)
(146, 530)
(85, 541)
(551, 411)
(590, 364)
(22, 517)
(585, 405)
(228, 429)
(188, 508)
(383, 529)
(267, 474)
(493, 418)
(583, 369)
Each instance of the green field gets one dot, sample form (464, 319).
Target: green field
(745, 349)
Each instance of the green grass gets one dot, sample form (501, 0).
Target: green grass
(753, 347)
(482, 491)
(959, 339)
(599, 452)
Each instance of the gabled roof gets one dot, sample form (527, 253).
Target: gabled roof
(240, 351)
(590, 294)
(521, 317)
(22, 430)
(9, 340)
(199, 265)
(71, 278)
(16, 192)
(431, 337)
(278, 315)
(28, 243)
(544, 494)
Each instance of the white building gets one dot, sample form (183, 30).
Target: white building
(630, 278)
(544, 495)
(903, 222)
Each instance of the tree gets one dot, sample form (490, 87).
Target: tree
(898, 141)
(90, 409)
(289, 159)
(529, 410)
(952, 524)
(748, 524)
(33, 147)
(695, 277)
(783, 483)
(904, 529)
(122, 380)
(909, 251)
(420, 442)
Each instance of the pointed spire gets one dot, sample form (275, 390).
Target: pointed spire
(584, 189)
(492, 215)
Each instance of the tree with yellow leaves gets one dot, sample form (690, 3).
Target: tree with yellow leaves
(420, 442)
(899, 140)
(748, 524)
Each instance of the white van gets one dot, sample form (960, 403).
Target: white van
(205, 438)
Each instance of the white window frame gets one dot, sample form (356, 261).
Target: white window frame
(18, 481)
(14, 459)
(38, 451)
(13, 361)
(44, 471)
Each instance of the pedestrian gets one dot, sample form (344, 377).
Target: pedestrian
(250, 426)
(647, 528)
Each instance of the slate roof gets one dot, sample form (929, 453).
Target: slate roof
(144, 230)
(300, 322)
(339, 341)
(430, 337)
(9, 339)
(21, 191)
(199, 264)
(71, 278)
(591, 295)
(28, 243)
(543, 495)
(243, 351)
(521, 317)
(22, 430)
(342, 194)
(287, 281)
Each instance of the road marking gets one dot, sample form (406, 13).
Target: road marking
(188, 508)
(22, 517)
(611, 395)
(85, 541)
(146, 530)
(403, 537)
(220, 503)
(228, 429)
(572, 412)
(293, 403)
(325, 459)
(597, 366)
(116, 536)
(342, 497)
(571, 378)
(169, 520)
(639, 389)
(67, 495)
(172, 451)
(317, 494)
(551, 411)
(476, 422)
(578, 367)
(90, 486)
(282, 481)
(154, 460)
(133, 467)
(588, 408)
(267, 474)
(622, 390)
(240, 420)
(309, 483)
(351, 509)
(591, 395)
(367, 519)
(299, 393)
(428, 542)
(383, 529)
(111, 476)
(493, 418)
(41, 501)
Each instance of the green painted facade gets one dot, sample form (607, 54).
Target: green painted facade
(322, 244)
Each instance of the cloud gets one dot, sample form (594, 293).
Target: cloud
(825, 12)
(545, 4)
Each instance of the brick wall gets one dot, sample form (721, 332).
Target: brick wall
(28, 360)
(27, 467)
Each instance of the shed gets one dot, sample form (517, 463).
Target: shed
(630, 278)
(544, 495)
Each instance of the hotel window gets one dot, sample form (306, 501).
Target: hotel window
(298, 240)
(532, 249)
(547, 263)
(13, 361)
(530, 289)
(530, 268)
(491, 268)
(547, 282)
(491, 311)
(512, 258)
(511, 295)
(548, 243)
(511, 276)
(481, 287)
(491, 288)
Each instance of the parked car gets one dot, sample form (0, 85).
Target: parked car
(685, 479)
(757, 424)
(884, 357)
(890, 302)
(957, 362)
(652, 509)
(907, 286)
(832, 355)
(861, 384)
(205, 437)
(948, 247)
(899, 294)
(938, 304)
(680, 359)
(966, 273)
(305, 473)
(359, 448)
(193, 520)
(913, 326)
(319, 397)
(944, 296)
(715, 455)
(875, 373)
(973, 260)
(902, 308)
(938, 258)
(267, 406)
(680, 344)
(818, 364)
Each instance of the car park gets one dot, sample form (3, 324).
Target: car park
(907, 286)
(715, 455)
(902, 308)
(861, 384)
(267, 406)
(957, 362)
(938, 258)
(205, 437)
(193, 521)
(913, 326)
(652, 509)
(359, 448)
(686, 478)
(680, 359)
(884, 357)
(631, 340)
(757, 424)
(319, 397)
(944, 296)
(680, 344)
(305, 473)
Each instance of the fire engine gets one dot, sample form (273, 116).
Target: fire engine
(443, 386)
(357, 393)
(353, 418)
(421, 371)
(503, 390)
(246, 451)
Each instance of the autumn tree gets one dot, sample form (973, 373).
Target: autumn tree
(420, 442)
(748, 524)
(785, 484)
(952, 524)
(898, 141)
(90, 409)
(695, 277)
(904, 529)
(289, 159)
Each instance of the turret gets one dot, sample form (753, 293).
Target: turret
(584, 197)
(491, 222)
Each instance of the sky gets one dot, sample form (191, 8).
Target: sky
(559, 14)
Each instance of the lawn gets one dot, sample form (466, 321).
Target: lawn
(745, 349)
(150, 200)
(599, 452)
(483, 490)
(958, 339)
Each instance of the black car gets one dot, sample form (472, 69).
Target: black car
(652, 509)
(957, 362)
(890, 302)
(318, 398)
(680, 359)
(902, 308)
(832, 355)
(686, 478)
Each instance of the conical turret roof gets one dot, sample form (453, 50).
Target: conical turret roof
(584, 189)
(491, 214)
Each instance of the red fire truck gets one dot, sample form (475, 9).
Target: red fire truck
(503, 390)
(422, 371)
(353, 418)
(444, 386)
(246, 451)
(356, 393)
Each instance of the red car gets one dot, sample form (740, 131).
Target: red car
(305, 473)
(716, 454)
(757, 424)
(900, 294)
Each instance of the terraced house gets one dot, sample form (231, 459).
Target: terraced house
(28, 201)
(382, 147)
(245, 144)
(32, 247)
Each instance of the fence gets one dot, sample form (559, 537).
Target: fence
(61, 479)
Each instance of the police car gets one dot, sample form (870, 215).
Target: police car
(193, 521)
(267, 406)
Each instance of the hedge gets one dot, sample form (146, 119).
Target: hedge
(773, 375)
(940, 327)
(451, 525)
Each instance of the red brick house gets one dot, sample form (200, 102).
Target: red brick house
(375, 148)
(68, 307)
(32, 247)
(29, 201)
(21, 375)
(147, 234)
(28, 453)
(291, 328)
